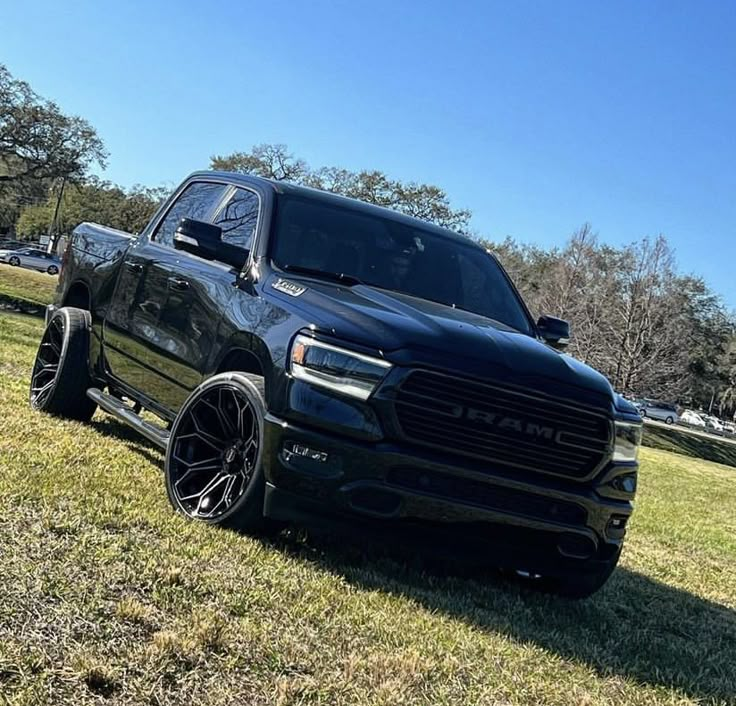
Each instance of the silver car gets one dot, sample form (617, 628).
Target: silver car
(32, 259)
(661, 411)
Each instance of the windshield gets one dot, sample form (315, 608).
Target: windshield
(385, 253)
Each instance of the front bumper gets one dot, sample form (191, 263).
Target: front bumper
(316, 477)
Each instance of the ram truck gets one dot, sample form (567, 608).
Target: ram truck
(310, 358)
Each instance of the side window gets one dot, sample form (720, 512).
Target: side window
(198, 201)
(238, 218)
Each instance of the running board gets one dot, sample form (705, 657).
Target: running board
(118, 409)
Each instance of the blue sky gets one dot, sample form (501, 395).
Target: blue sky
(537, 116)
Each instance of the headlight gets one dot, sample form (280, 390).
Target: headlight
(337, 369)
(628, 440)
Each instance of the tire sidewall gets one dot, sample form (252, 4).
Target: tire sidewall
(252, 499)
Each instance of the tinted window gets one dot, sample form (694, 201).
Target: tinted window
(198, 201)
(238, 218)
(392, 255)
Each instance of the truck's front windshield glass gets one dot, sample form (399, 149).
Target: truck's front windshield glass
(384, 253)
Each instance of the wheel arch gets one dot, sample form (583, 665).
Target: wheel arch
(79, 296)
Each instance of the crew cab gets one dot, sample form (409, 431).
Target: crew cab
(316, 359)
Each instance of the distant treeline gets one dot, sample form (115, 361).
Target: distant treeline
(653, 331)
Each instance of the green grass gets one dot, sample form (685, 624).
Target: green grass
(107, 596)
(697, 446)
(26, 290)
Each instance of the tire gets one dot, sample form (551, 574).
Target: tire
(583, 583)
(60, 377)
(14, 261)
(53, 270)
(214, 459)
(669, 420)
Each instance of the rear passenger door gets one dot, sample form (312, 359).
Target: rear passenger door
(164, 314)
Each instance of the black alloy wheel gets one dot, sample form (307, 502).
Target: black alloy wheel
(48, 359)
(213, 460)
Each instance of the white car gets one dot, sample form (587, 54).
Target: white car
(692, 419)
(32, 259)
(713, 424)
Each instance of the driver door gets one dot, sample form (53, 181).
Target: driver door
(163, 316)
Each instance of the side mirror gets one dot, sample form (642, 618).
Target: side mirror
(198, 238)
(554, 331)
(205, 240)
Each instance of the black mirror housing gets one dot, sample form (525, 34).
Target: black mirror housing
(205, 240)
(554, 331)
(197, 237)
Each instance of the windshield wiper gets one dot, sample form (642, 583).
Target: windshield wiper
(334, 276)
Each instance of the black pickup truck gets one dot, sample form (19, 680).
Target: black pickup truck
(312, 358)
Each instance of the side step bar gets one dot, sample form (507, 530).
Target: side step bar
(118, 409)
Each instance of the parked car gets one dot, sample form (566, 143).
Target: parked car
(714, 425)
(692, 419)
(661, 411)
(32, 259)
(316, 359)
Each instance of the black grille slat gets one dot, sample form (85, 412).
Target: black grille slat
(503, 441)
(480, 494)
(513, 405)
(573, 443)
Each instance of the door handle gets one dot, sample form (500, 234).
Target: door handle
(134, 267)
(178, 283)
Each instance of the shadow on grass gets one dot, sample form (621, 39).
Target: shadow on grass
(22, 306)
(693, 445)
(111, 427)
(635, 627)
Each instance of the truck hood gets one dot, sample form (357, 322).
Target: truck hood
(411, 331)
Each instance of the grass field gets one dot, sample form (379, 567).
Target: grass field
(106, 596)
(25, 289)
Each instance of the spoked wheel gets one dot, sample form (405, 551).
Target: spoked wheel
(60, 377)
(47, 362)
(213, 461)
(14, 261)
(53, 270)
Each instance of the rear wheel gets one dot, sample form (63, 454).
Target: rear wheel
(669, 420)
(14, 261)
(60, 377)
(213, 464)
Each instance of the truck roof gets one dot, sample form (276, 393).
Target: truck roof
(327, 197)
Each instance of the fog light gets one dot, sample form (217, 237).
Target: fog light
(625, 483)
(293, 449)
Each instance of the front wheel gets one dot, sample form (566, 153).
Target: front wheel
(53, 270)
(669, 420)
(60, 377)
(14, 261)
(213, 468)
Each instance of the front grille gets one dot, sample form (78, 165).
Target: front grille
(483, 495)
(503, 426)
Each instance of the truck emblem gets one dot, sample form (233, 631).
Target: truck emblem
(291, 288)
(511, 423)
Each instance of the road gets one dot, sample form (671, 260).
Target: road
(689, 430)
